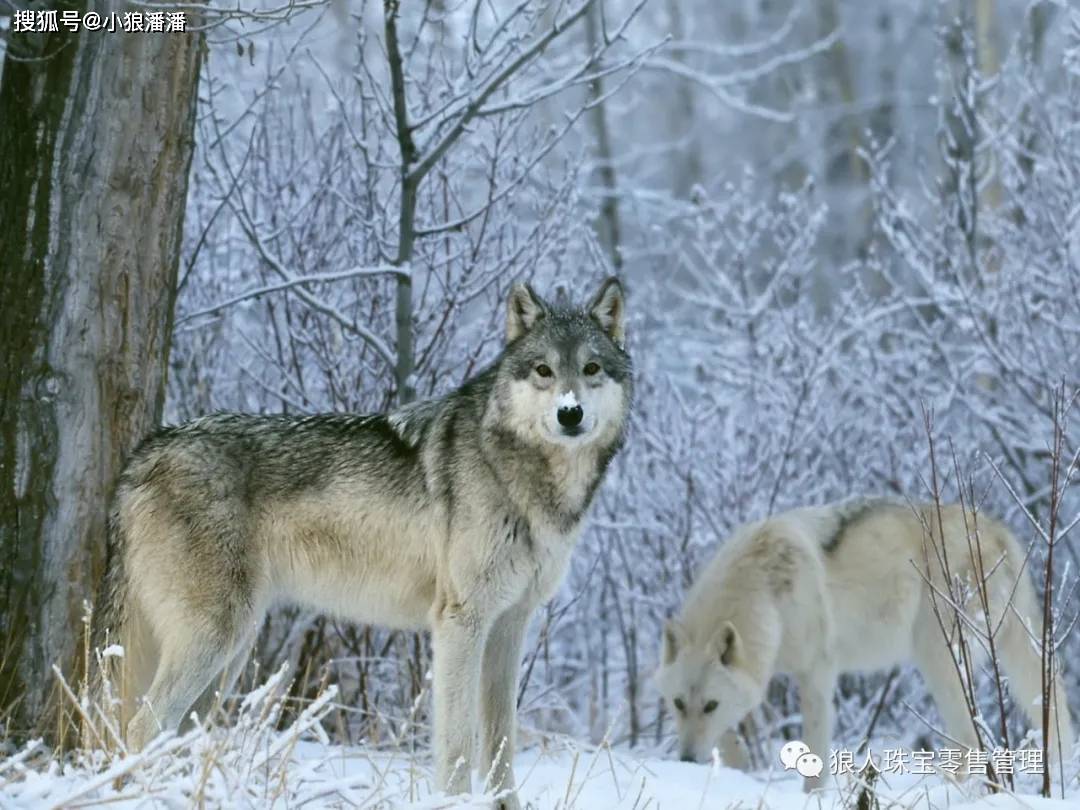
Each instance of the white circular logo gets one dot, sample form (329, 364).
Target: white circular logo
(790, 753)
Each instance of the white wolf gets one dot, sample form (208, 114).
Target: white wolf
(818, 591)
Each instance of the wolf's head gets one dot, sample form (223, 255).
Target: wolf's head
(565, 377)
(706, 687)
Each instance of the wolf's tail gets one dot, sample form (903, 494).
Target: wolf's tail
(121, 642)
(1021, 632)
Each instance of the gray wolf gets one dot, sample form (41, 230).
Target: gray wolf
(457, 514)
(818, 591)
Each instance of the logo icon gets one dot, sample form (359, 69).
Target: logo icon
(796, 755)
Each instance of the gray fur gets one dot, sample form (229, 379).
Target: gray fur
(457, 514)
(851, 513)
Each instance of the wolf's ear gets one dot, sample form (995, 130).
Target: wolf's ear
(523, 309)
(608, 309)
(728, 644)
(674, 638)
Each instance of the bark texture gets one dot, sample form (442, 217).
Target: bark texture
(95, 149)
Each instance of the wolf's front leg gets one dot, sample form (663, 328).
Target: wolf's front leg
(733, 752)
(498, 702)
(816, 699)
(457, 638)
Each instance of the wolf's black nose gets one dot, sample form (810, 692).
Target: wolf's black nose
(570, 417)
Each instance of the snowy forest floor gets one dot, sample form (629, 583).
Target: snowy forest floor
(260, 759)
(562, 775)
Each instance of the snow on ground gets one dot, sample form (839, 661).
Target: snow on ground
(562, 776)
(254, 762)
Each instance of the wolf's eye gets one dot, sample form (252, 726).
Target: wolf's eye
(544, 370)
(710, 707)
(591, 369)
(679, 704)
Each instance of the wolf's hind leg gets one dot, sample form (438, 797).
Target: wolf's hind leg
(1023, 664)
(213, 697)
(935, 662)
(183, 673)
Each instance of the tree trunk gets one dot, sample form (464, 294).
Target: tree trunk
(94, 155)
(989, 64)
(688, 163)
(403, 313)
(607, 224)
